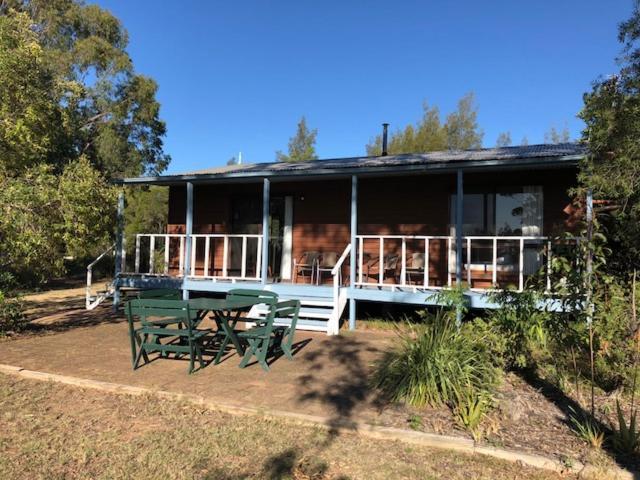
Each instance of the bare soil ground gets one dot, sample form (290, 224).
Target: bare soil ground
(329, 377)
(56, 431)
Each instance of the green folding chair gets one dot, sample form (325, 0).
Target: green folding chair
(159, 320)
(287, 311)
(260, 296)
(161, 293)
(261, 338)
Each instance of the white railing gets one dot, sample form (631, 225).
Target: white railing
(514, 266)
(226, 256)
(339, 299)
(173, 245)
(92, 301)
(162, 243)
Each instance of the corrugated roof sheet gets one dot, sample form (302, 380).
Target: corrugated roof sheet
(539, 155)
(501, 153)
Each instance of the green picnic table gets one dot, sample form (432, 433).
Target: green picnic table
(227, 312)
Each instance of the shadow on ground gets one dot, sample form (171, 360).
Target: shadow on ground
(571, 408)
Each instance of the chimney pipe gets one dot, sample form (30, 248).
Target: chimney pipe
(384, 138)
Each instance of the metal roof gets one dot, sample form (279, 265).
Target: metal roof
(544, 155)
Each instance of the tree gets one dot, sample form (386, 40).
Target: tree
(302, 146)
(146, 211)
(525, 141)
(69, 89)
(555, 136)
(429, 134)
(504, 139)
(611, 113)
(232, 161)
(45, 217)
(462, 127)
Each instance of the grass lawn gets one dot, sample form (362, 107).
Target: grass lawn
(56, 431)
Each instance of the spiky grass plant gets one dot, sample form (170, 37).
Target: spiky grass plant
(434, 364)
(587, 429)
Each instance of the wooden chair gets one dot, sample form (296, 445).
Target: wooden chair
(325, 263)
(261, 296)
(265, 335)
(156, 316)
(305, 264)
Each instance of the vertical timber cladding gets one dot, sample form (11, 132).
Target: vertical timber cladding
(393, 205)
(321, 215)
(212, 213)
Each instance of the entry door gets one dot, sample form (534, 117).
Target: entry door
(280, 241)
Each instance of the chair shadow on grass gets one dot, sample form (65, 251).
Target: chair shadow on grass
(572, 408)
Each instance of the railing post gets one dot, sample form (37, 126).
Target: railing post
(403, 267)
(137, 264)
(426, 262)
(589, 259)
(469, 262)
(243, 266)
(266, 198)
(352, 258)
(494, 273)
(360, 258)
(187, 246)
(152, 253)
(459, 221)
(119, 243)
(548, 265)
(225, 256)
(167, 244)
(207, 247)
(521, 266)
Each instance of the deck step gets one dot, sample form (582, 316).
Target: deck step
(305, 312)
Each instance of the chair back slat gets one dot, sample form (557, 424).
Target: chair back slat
(260, 296)
(161, 293)
(159, 309)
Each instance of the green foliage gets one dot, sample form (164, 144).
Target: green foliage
(611, 113)
(415, 422)
(45, 217)
(146, 211)
(302, 146)
(504, 139)
(11, 317)
(625, 438)
(68, 89)
(470, 410)
(587, 429)
(522, 325)
(434, 364)
(555, 136)
(460, 131)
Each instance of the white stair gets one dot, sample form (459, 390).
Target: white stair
(93, 300)
(316, 313)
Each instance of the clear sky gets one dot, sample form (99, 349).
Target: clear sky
(237, 75)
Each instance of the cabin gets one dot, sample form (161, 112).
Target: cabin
(332, 233)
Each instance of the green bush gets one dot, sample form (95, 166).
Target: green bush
(12, 318)
(435, 363)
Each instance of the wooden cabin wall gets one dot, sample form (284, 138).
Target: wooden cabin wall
(392, 205)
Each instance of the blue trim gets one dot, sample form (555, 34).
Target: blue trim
(188, 231)
(352, 257)
(119, 242)
(264, 270)
(477, 300)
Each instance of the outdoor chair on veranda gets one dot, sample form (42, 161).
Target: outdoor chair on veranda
(389, 267)
(306, 264)
(265, 336)
(416, 268)
(326, 263)
(169, 320)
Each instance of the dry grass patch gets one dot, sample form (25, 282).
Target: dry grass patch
(56, 431)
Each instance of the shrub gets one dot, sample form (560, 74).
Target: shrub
(434, 364)
(625, 438)
(11, 317)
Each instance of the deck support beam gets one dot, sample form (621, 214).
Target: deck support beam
(352, 257)
(459, 222)
(188, 239)
(119, 251)
(266, 199)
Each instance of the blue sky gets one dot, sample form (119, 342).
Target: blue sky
(237, 75)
